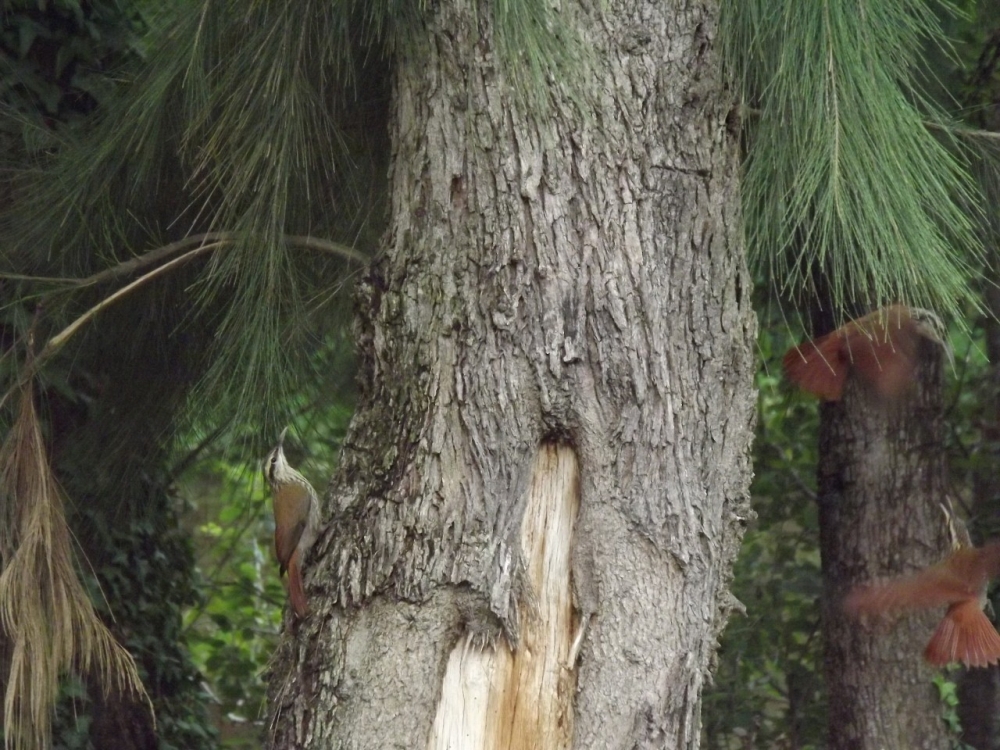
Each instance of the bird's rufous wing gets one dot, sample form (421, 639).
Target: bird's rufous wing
(286, 539)
(296, 591)
(883, 347)
(933, 587)
(291, 511)
(819, 366)
(977, 564)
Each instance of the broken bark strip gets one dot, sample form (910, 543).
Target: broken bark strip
(492, 697)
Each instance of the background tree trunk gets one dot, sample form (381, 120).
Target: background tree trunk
(552, 282)
(882, 480)
(979, 689)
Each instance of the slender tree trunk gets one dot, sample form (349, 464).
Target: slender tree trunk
(540, 498)
(979, 700)
(882, 480)
(979, 689)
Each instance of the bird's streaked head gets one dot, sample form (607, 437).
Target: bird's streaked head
(931, 327)
(276, 467)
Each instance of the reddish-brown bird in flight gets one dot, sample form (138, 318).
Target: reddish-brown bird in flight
(882, 348)
(965, 634)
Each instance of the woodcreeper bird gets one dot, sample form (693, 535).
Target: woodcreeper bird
(965, 634)
(296, 519)
(883, 348)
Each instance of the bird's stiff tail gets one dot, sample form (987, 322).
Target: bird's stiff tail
(964, 635)
(296, 592)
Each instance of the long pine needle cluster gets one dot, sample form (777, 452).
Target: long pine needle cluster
(851, 174)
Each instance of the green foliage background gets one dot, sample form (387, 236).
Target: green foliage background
(157, 121)
(768, 688)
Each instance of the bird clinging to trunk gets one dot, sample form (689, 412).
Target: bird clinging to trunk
(883, 348)
(296, 519)
(959, 582)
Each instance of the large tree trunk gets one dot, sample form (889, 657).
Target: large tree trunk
(561, 319)
(882, 485)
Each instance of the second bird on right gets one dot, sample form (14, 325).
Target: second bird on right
(959, 582)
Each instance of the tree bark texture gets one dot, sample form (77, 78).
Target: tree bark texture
(561, 280)
(882, 493)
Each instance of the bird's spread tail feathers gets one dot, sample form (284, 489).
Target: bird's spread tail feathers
(965, 635)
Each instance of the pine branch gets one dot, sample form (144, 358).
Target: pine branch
(218, 239)
(204, 243)
(844, 179)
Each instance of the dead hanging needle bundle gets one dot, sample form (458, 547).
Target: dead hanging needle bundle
(48, 620)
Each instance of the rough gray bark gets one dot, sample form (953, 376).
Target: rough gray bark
(882, 482)
(569, 277)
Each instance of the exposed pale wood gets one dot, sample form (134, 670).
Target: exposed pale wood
(496, 698)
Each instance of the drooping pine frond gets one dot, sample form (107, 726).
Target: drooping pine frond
(248, 121)
(262, 121)
(846, 177)
(537, 47)
(45, 613)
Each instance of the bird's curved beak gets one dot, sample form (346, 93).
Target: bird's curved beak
(930, 326)
(281, 437)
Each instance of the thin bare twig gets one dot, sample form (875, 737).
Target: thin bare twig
(57, 341)
(216, 239)
(204, 243)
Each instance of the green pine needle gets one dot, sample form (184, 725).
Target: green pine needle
(843, 177)
(253, 119)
